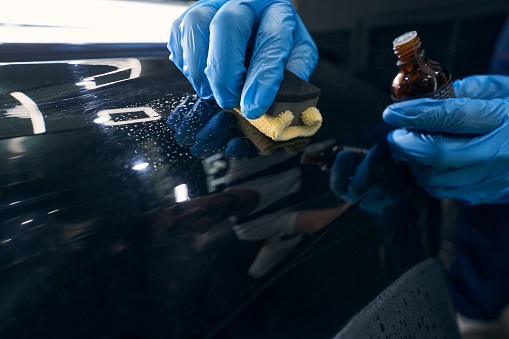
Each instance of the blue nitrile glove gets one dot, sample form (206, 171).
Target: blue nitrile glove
(202, 125)
(457, 148)
(353, 177)
(209, 41)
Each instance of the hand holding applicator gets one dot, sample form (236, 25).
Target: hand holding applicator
(293, 113)
(208, 44)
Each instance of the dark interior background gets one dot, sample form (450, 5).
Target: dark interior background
(357, 63)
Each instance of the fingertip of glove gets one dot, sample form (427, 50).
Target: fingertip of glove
(393, 113)
(252, 113)
(199, 151)
(182, 140)
(409, 113)
(220, 126)
(179, 112)
(171, 122)
(227, 103)
(211, 140)
(387, 114)
(204, 92)
(237, 149)
(396, 136)
(397, 141)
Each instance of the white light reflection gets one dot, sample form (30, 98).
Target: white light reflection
(27, 222)
(85, 83)
(124, 118)
(5, 241)
(34, 113)
(54, 211)
(101, 120)
(15, 145)
(181, 193)
(14, 203)
(14, 158)
(140, 166)
(126, 69)
(87, 21)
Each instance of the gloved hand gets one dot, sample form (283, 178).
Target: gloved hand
(354, 172)
(457, 148)
(209, 41)
(202, 125)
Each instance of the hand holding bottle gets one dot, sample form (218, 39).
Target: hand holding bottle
(458, 148)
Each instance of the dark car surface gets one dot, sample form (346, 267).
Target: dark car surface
(110, 229)
(97, 241)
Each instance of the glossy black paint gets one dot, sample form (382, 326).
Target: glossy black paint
(93, 244)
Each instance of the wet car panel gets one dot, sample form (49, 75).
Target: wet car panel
(110, 229)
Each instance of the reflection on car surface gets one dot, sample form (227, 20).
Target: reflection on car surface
(110, 229)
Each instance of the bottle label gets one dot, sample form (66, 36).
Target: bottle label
(444, 92)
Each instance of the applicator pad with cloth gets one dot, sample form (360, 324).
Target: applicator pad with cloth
(293, 113)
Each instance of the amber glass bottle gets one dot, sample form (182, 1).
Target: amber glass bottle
(419, 77)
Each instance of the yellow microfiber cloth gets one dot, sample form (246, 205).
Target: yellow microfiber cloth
(282, 127)
(264, 144)
(293, 113)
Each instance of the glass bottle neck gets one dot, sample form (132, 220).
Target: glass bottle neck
(410, 52)
(411, 58)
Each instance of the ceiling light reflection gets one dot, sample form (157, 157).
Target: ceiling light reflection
(126, 69)
(140, 166)
(95, 21)
(34, 113)
(101, 120)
